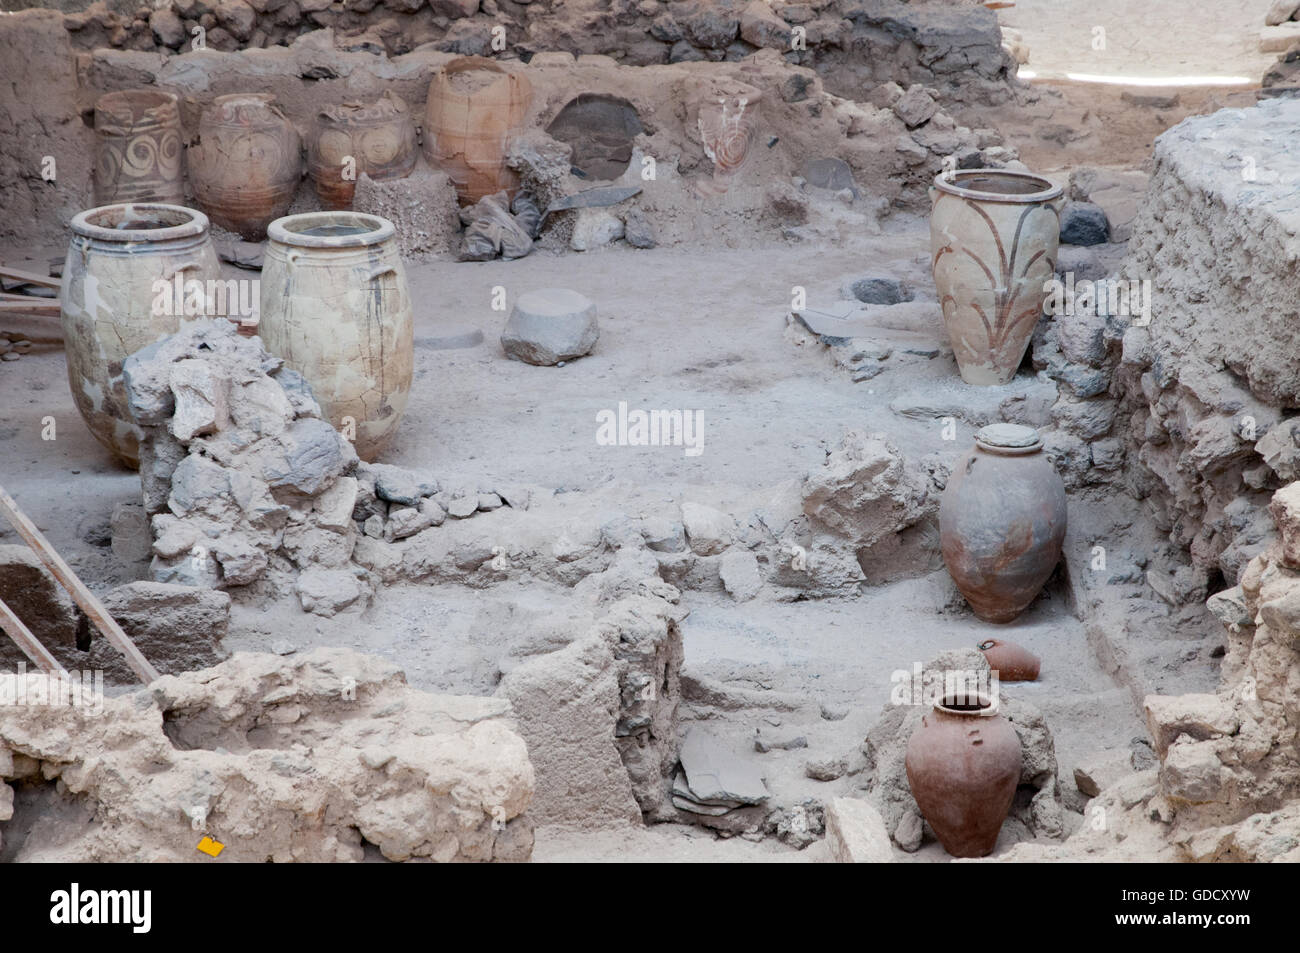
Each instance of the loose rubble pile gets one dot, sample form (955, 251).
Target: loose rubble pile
(244, 480)
(326, 756)
(13, 346)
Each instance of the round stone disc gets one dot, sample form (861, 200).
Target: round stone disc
(1010, 436)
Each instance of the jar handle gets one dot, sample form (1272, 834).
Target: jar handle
(170, 273)
(380, 270)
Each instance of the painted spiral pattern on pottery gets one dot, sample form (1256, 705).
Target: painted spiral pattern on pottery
(138, 150)
(727, 130)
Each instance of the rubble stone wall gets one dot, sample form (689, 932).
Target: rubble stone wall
(1198, 405)
(851, 42)
(891, 151)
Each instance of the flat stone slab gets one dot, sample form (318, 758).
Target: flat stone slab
(715, 772)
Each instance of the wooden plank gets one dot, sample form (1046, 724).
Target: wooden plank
(83, 597)
(46, 306)
(29, 277)
(26, 641)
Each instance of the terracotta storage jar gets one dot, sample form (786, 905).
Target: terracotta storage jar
(963, 766)
(474, 107)
(336, 307)
(247, 163)
(111, 304)
(375, 138)
(993, 241)
(1002, 521)
(1012, 662)
(138, 148)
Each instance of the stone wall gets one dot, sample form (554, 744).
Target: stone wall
(852, 43)
(891, 151)
(1192, 413)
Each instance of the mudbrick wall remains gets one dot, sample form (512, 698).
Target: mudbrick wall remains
(892, 140)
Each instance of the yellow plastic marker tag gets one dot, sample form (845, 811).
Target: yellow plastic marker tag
(211, 847)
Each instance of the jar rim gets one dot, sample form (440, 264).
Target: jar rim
(139, 222)
(292, 229)
(986, 705)
(1025, 188)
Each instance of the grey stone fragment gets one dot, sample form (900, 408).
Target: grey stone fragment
(637, 230)
(855, 832)
(873, 290)
(550, 325)
(201, 391)
(404, 521)
(915, 107)
(433, 511)
(663, 536)
(708, 531)
(714, 772)
(312, 457)
(487, 502)
(1083, 223)
(326, 592)
(398, 485)
(196, 483)
(738, 569)
(832, 174)
(463, 506)
(298, 392)
(772, 743)
(909, 832)
(829, 769)
(130, 537)
(167, 27)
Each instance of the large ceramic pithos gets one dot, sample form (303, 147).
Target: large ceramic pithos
(993, 241)
(963, 766)
(1002, 521)
(474, 107)
(247, 163)
(336, 308)
(111, 305)
(138, 148)
(375, 138)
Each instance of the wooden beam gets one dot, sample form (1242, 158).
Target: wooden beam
(90, 605)
(29, 277)
(44, 306)
(30, 645)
